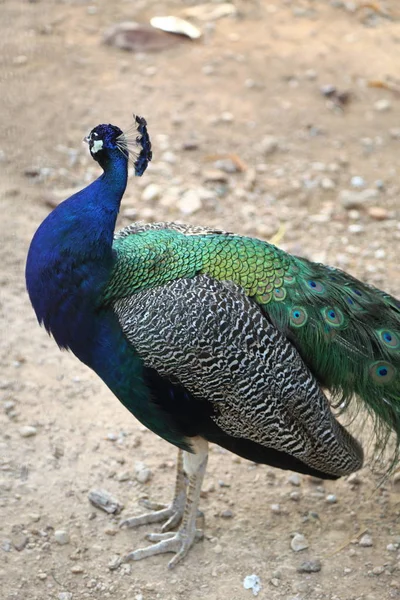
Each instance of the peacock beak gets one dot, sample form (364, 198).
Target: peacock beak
(86, 139)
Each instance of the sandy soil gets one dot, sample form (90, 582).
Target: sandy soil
(256, 75)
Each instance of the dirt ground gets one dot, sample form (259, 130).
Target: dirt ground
(321, 172)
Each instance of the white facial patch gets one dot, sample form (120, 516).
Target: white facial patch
(97, 145)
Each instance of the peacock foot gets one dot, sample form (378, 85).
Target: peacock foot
(179, 542)
(172, 514)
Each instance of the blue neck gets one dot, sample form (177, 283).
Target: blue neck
(71, 256)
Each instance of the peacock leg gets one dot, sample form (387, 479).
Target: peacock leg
(170, 513)
(182, 540)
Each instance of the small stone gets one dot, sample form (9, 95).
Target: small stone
(189, 203)
(227, 117)
(395, 133)
(124, 476)
(151, 192)
(366, 541)
(226, 514)
(357, 181)
(142, 473)
(275, 582)
(328, 90)
(217, 549)
(9, 406)
(327, 184)
(382, 105)
(295, 496)
(299, 542)
(356, 228)
(378, 570)
(295, 479)
(27, 431)
(392, 547)
(169, 157)
(215, 176)
(114, 563)
(276, 509)
(331, 499)
(378, 213)
(64, 596)
(310, 566)
(6, 545)
(269, 144)
(77, 569)
(347, 571)
(227, 165)
(20, 60)
(355, 199)
(61, 536)
(19, 541)
(42, 576)
(105, 501)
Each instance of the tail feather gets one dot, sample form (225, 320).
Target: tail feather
(349, 335)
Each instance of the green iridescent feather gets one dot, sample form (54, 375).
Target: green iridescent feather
(347, 332)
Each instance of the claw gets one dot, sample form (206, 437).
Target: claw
(179, 542)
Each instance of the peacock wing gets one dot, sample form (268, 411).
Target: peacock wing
(208, 337)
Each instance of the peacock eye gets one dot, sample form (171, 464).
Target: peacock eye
(382, 372)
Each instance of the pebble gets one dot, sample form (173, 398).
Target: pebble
(77, 569)
(378, 213)
(366, 541)
(27, 431)
(275, 581)
(327, 184)
(269, 144)
(392, 547)
(227, 165)
(169, 157)
(124, 476)
(61, 536)
(6, 545)
(295, 479)
(106, 501)
(298, 542)
(357, 181)
(217, 549)
(295, 496)
(64, 596)
(189, 203)
(356, 228)
(378, 570)
(331, 499)
(382, 105)
(215, 175)
(309, 566)
(276, 509)
(227, 117)
(142, 473)
(19, 541)
(227, 514)
(356, 199)
(151, 192)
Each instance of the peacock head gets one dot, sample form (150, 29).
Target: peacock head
(106, 141)
(102, 140)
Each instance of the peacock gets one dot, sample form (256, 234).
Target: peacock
(207, 336)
